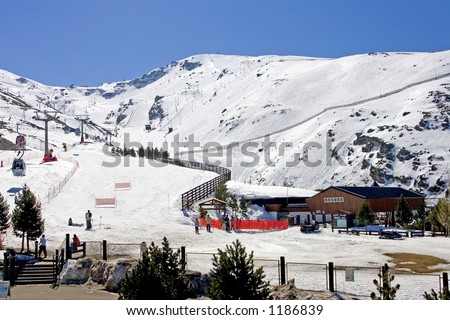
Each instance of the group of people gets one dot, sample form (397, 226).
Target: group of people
(75, 240)
(227, 223)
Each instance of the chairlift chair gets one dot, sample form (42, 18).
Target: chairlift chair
(20, 142)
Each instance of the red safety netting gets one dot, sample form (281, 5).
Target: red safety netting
(249, 224)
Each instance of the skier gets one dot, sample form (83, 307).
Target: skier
(64, 147)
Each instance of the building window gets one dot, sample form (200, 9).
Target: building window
(333, 199)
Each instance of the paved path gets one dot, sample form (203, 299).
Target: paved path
(46, 292)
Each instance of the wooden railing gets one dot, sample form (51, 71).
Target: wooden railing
(205, 189)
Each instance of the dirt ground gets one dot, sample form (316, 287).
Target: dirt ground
(47, 292)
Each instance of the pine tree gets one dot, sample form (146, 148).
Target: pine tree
(159, 275)
(156, 153)
(422, 215)
(4, 214)
(125, 152)
(232, 202)
(141, 152)
(221, 192)
(444, 295)
(234, 276)
(440, 215)
(244, 205)
(385, 289)
(148, 152)
(132, 153)
(403, 212)
(365, 214)
(26, 218)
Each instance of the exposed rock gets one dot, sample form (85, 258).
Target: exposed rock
(148, 78)
(380, 175)
(290, 292)
(99, 271)
(76, 271)
(404, 155)
(365, 164)
(91, 272)
(118, 273)
(22, 80)
(156, 111)
(187, 65)
(200, 282)
(368, 143)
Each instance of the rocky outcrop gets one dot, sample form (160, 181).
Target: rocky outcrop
(76, 271)
(88, 270)
(117, 274)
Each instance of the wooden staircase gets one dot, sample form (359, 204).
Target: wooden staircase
(42, 272)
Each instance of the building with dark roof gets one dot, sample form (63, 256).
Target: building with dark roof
(349, 199)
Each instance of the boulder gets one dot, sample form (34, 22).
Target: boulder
(118, 273)
(76, 271)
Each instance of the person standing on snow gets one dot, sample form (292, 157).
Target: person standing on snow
(197, 226)
(208, 223)
(43, 246)
(88, 217)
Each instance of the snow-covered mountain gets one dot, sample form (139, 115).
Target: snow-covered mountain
(380, 117)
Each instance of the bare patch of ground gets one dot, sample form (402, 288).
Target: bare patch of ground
(417, 263)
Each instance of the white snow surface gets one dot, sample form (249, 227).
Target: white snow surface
(251, 191)
(227, 99)
(150, 210)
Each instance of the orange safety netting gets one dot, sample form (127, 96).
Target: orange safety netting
(249, 224)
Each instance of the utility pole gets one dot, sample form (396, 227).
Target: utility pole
(82, 118)
(46, 120)
(108, 135)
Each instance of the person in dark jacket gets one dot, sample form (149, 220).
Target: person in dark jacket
(88, 217)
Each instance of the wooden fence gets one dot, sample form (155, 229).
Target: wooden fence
(204, 190)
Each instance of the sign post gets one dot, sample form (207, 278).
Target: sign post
(349, 274)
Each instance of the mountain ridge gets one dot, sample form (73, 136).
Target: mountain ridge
(396, 136)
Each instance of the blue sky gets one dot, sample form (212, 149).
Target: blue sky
(87, 42)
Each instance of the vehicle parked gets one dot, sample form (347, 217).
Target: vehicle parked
(390, 234)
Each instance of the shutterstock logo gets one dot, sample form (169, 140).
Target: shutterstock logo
(250, 153)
